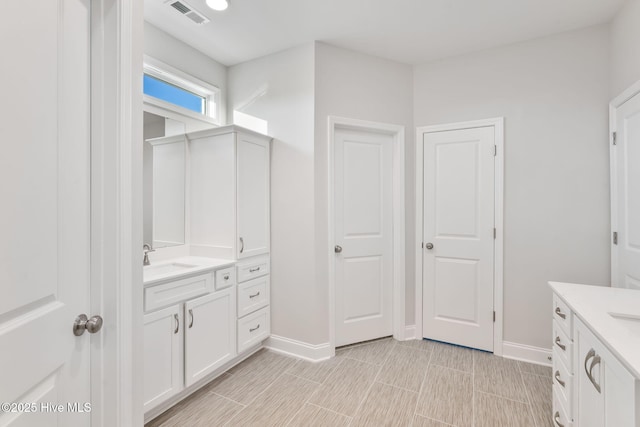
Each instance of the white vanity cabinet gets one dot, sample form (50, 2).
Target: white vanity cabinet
(591, 385)
(230, 202)
(209, 334)
(163, 355)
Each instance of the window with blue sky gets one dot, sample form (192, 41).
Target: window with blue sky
(173, 94)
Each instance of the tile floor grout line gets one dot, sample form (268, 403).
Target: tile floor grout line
(372, 383)
(473, 389)
(228, 398)
(397, 386)
(529, 404)
(321, 385)
(503, 397)
(330, 410)
(424, 378)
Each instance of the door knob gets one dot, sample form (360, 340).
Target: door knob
(338, 249)
(429, 246)
(82, 323)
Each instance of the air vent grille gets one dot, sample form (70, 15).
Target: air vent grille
(188, 11)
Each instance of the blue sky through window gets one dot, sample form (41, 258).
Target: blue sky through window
(173, 94)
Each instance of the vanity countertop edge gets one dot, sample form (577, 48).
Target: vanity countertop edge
(593, 305)
(201, 265)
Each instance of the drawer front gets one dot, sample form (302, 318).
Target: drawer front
(169, 293)
(562, 383)
(253, 295)
(225, 278)
(563, 316)
(559, 414)
(256, 267)
(563, 346)
(254, 328)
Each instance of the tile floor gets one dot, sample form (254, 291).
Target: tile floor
(379, 383)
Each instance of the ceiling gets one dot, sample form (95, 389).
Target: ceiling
(408, 31)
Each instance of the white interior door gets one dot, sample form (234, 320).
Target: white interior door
(45, 216)
(363, 207)
(626, 184)
(458, 257)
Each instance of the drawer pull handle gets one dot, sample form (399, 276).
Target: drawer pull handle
(560, 313)
(562, 346)
(175, 316)
(557, 377)
(255, 295)
(241, 245)
(555, 418)
(191, 314)
(253, 270)
(226, 276)
(589, 371)
(254, 329)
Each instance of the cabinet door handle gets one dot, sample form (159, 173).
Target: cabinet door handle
(255, 295)
(254, 329)
(253, 270)
(555, 419)
(596, 361)
(175, 316)
(559, 344)
(560, 313)
(557, 377)
(191, 314)
(241, 245)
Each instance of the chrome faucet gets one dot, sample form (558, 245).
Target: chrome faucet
(147, 248)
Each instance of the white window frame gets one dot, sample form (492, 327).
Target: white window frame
(169, 74)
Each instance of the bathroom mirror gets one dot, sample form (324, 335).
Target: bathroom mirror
(164, 174)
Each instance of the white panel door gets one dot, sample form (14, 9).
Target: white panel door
(458, 235)
(253, 195)
(210, 333)
(45, 216)
(626, 178)
(363, 209)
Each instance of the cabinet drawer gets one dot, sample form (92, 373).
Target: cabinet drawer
(563, 346)
(253, 295)
(253, 268)
(169, 293)
(254, 328)
(562, 383)
(563, 316)
(559, 414)
(225, 278)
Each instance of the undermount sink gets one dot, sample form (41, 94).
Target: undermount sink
(157, 270)
(630, 321)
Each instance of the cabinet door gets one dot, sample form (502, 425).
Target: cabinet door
(163, 350)
(252, 195)
(210, 333)
(589, 380)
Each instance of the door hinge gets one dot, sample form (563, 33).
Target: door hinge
(495, 233)
(495, 150)
(614, 138)
(422, 245)
(615, 237)
(494, 316)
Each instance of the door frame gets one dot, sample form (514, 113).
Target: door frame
(616, 103)
(498, 254)
(116, 211)
(399, 300)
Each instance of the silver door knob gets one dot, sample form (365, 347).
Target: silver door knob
(82, 323)
(429, 246)
(338, 249)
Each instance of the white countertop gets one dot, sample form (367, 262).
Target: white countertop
(180, 267)
(594, 305)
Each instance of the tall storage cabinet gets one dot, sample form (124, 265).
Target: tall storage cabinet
(229, 179)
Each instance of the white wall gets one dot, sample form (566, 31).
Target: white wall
(625, 47)
(172, 51)
(553, 93)
(279, 89)
(357, 86)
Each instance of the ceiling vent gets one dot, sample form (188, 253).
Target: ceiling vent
(188, 11)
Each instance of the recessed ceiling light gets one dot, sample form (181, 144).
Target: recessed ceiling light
(218, 4)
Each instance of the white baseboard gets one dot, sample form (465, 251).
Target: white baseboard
(526, 353)
(299, 349)
(409, 332)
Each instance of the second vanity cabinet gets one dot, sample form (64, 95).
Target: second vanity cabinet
(591, 386)
(190, 339)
